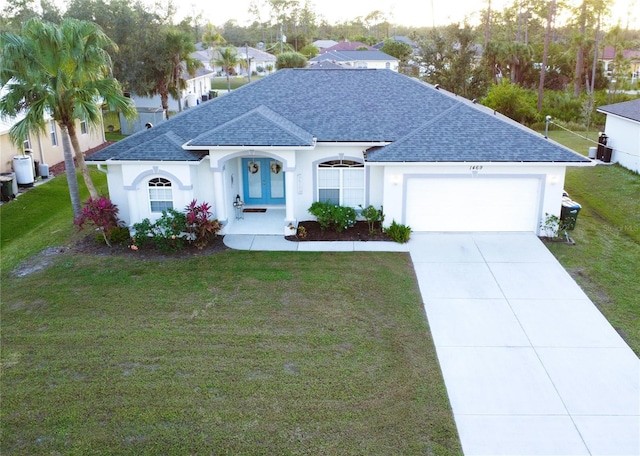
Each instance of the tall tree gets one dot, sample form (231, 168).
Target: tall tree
(586, 17)
(228, 59)
(449, 55)
(545, 52)
(62, 71)
(166, 61)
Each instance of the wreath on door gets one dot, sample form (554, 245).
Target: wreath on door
(253, 167)
(276, 167)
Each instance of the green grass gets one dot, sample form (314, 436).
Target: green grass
(221, 82)
(574, 140)
(40, 218)
(605, 259)
(233, 353)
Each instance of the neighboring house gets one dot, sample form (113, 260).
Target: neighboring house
(258, 60)
(348, 46)
(623, 133)
(430, 159)
(197, 90)
(45, 147)
(328, 65)
(402, 39)
(324, 44)
(630, 55)
(358, 59)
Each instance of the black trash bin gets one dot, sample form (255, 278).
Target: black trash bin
(569, 213)
(7, 184)
(602, 142)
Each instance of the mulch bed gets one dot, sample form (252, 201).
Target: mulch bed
(91, 245)
(358, 232)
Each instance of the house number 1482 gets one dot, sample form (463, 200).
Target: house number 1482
(475, 167)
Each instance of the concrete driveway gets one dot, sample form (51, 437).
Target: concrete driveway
(530, 364)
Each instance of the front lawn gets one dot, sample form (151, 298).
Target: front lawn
(234, 353)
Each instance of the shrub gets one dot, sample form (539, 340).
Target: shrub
(337, 218)
(170, 232)
(513, 101)
(553, 227)
(399, 233)
(166, 233)
(372, 216)
(200, 229)
(290, 60)
(104, 215)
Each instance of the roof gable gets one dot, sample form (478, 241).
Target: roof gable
(347, 46)
(258, 127)
(352, 56)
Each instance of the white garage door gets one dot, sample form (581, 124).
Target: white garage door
(473, 204)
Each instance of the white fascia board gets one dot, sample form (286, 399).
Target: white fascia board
(481, 163)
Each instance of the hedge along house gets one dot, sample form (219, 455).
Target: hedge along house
(432, 160)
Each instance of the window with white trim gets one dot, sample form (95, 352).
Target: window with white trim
(54, 134)
(341, 182)
(83, 127)
(160, 194)
(27, 143)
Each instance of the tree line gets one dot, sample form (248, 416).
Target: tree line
(532, 57)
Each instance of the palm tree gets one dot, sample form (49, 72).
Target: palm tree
(228, 59)
(61, 71)
(166, 63)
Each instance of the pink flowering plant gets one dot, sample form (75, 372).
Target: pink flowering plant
(174, 229)
(102, 213)
(200, 227)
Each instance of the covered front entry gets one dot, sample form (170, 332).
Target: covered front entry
(263, 181)
(482, 203)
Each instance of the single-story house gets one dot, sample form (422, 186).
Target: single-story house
(324, 44)
(401, 39)
(358, 59)
(348, 46)
(430, 159)
(197, 89)
(622, 128)
(257, 60)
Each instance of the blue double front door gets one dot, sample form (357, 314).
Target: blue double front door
(263, 181)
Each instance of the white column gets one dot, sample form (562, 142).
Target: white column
(218, 190)
(289, 180)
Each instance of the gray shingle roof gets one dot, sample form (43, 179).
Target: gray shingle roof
(258, 127)
(628, 109)
(352, 56)
(422, 123)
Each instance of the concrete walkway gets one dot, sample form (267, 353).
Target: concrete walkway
(530, 365)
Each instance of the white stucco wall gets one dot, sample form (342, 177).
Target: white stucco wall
(384, 182)
(128, 186)
(624, 138)
(196, 87)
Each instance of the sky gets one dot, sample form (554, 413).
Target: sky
(413, 13)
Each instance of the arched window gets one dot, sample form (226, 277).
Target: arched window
(341, 182)
(160, 195)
